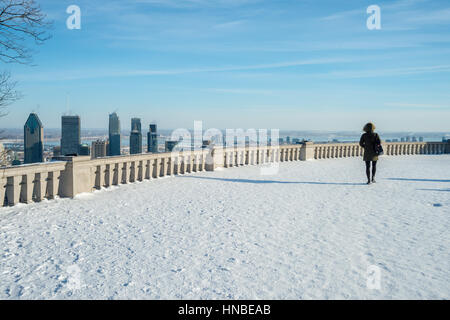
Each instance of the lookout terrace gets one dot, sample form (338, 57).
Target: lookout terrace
(69, 176)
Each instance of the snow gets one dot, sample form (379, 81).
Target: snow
(314, 230)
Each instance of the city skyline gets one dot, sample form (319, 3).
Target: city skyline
(290, 65)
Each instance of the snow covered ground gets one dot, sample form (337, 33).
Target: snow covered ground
(314, 230)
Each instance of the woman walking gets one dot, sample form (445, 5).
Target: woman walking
(370, 141)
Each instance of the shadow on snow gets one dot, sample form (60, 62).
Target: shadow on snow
(274, 181)
(418, 180)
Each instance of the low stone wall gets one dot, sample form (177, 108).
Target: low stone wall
(69, 176)
(29, 183)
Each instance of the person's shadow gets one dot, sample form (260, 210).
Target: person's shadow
(423, 180)
(418, 180)
(274, 181)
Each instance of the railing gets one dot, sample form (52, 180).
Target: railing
(69, 176)
(29, 183)
(108, 171)
(343, 150)
(240, 156)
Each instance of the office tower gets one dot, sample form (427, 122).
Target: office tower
(70, 135)
(420, 139)
(33, 133)
(170, 145)
(114, 135)
(135, 136)
(99, 149)
(408, 139)
(152, 139)
(402, 139)
(85, 150)
(414, 139)
(288, 140)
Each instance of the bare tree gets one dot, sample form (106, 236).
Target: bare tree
(20, 22)
(8, 94)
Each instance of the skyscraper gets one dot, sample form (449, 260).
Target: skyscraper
(170, 145)
(114, 134)
(70, 135)
(33, 133)
(135, 136)
(152, 139)
(99, 149)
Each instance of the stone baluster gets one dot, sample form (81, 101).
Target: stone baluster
(116, 171)
(201, 164)
(158, 167)
(125, 173)
(53, 184)
(13, 190)
(3, 182)
(184, 164)
(41, 185)
(140, 170)
(108, 175)
(27, 186)
(99, 176)
(148, 169)
(170, 165)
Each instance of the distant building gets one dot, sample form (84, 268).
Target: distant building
(408, 139)
(280, 141)
(420, 139)
(114, 135)
(56, 151)
(85, 150)
(152, 139)
(135, 136)
(70, 135)
(414, 139)
(33, 133)
(16, 162)
(206, 143)
(402, 139)
(394, 140)
(99, 149)
(288, 140)
(170, 145)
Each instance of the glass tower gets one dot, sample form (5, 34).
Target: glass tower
(70, 135)
(33, 133)
(114, 135)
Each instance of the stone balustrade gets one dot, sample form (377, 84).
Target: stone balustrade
(32, 182)
(69, 176)
(343, 150)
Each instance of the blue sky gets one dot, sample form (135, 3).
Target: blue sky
(305, 64)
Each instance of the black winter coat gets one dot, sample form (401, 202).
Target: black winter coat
(368, 142)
